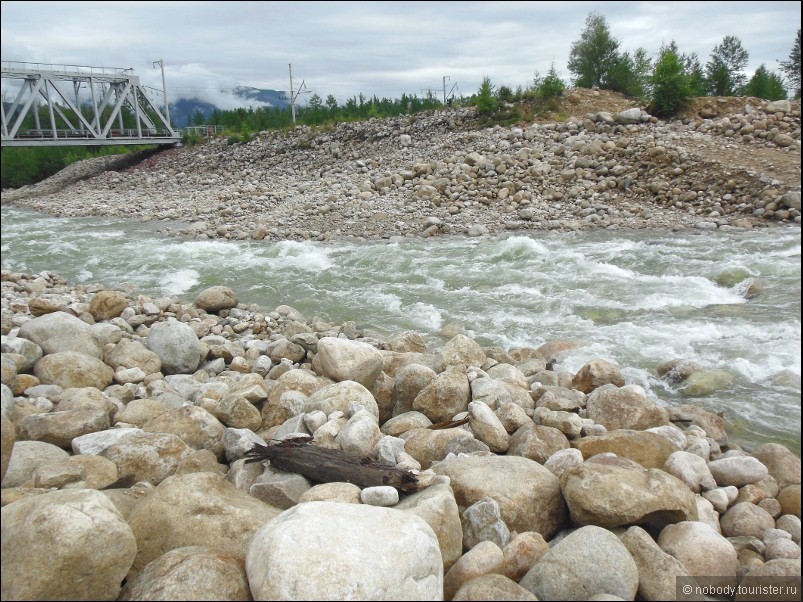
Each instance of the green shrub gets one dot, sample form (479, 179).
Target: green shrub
(671, 87)
(486, 102)
(765, 84)
(190, 139)
(505, 94)
(550, 86)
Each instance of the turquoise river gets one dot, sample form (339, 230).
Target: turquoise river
(635, 298)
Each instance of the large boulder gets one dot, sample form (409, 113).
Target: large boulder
(65, 545)
(537, 442)
(216, 298)
(448, 394)
(428, 446)
(651, 450)
(624, 408)
(30, 352)
(745, 519)
(522, 552)
(60, 428)
(737, 471)
(26, 457)
(485, 558)
(782, 464)
(609, 495)
(197, 509)
(58, 332)
(589, 561)
(487, 427)
(193, 425)
(143, 456)
(139, 411)
(437, 506)
(69, 369)
(408, 383)
(177, 346)
(712, 424)
(460, 351)
(335, 551)
(700, 549)
(528, 494)
(490, 391)
(190, 573)
(492, 587)
(106, 305)
(343, 359)
(338, 396)
(133, 354)
(597, 373)
(691, 469)
(658, 571)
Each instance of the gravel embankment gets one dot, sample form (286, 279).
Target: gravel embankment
(437, 173)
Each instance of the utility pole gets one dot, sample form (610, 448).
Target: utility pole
(164, 91)
(445, 95)
(294, 94)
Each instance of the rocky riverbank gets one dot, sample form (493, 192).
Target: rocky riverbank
(604, 164)
(126, 418)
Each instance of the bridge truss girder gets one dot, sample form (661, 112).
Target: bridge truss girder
(107, 92)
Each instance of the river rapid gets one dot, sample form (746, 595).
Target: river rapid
(726, 299)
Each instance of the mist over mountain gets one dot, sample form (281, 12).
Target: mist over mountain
(274, 98)
(183, 109)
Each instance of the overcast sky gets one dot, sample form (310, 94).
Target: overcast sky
(377, 48)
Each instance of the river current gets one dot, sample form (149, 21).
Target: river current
(635, 298)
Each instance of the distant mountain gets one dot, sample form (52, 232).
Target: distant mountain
(182, 110)
(274, 98)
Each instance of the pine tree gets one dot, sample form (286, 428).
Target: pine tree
(671, 87)
(791, 68)
(486, 100)
(765, 84)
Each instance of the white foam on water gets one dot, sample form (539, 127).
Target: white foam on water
(690, 292)
(179, 282)
(435, 283)
(305, 256)
(518, 247)
(614, 271)
(761, 372)
(427, 316)
(194, 248)
(577, 358)
(518, 290)
(84, 276)
(388, 301)
(64, 246)
(105, 234)
(785, 253)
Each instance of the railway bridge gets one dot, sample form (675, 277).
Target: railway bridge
(76, 105)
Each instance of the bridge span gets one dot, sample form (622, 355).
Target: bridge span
(76, 105)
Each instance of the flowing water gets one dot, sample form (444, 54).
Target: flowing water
(637, 299)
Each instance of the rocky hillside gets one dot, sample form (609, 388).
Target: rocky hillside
(603, 164)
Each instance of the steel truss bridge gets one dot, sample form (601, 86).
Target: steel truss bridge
(85, 106)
